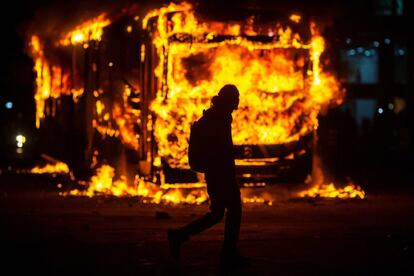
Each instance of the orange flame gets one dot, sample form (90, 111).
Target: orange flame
(125, 119)
(42, 78)
(58, 168)
(282, 84)
(87, 31)
(321, 188)
(103, 183)
(328, 190)
(121, 121)
(295, 18)
(280, 98)
(51, 82)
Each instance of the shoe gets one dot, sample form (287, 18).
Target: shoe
(175, 240)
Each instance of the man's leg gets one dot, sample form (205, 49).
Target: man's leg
(232, 224)
(230, 258)
(177, 236)
(203, 223)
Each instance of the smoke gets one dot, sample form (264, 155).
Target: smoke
(52, 19)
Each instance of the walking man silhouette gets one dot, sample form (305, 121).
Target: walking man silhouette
(222, 187)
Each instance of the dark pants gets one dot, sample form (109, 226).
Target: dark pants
(224, 194)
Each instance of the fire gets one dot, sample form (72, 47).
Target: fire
(322, 188)
(104, 183)
(117, 119)
(101, 122)
(192, 193)
(295, 18)
(58, 168)
(282, 84)
(125, 118)
(280, 96)
(46, 77)
(328, 190)
(90, 30)
(51, 81)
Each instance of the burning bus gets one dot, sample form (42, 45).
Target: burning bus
(125, 90)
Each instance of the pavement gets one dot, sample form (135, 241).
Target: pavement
(43, 232)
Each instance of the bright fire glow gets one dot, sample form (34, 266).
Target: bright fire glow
(329, 190)
(51, 81)
(87, 31)
(125, 118)
(103, 183)
(282, 84)
(59, 168)
(42, 70)
(121, 121)
(295, 18)
(280, 96)
(321, 188)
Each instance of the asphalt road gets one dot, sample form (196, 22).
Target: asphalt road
(42, 232)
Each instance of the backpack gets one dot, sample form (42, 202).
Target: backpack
(198, 145)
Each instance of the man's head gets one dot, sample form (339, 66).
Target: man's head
(227, 98)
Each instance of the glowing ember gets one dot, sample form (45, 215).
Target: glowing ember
(330, 191)
(256, 199)
(58, 168)
(295, 18)
(121, 121)
(280, 96)
(125, 118)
